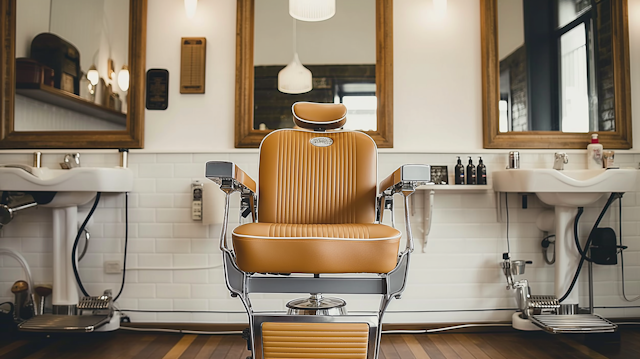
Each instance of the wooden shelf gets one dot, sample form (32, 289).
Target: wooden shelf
(57, 97)
(457, 188)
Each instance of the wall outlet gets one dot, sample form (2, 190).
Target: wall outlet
(112, 267)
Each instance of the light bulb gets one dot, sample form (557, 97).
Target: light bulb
(123, 78)
(93, 76)
(190, 8)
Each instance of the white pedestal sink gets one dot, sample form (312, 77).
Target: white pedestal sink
(566, 191)
(73, 187)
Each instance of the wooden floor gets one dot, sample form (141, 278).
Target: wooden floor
(137, 345)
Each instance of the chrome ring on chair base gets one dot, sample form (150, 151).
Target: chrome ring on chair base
(316, 304)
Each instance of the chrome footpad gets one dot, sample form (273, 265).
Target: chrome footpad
(576, 323)
(64, 323)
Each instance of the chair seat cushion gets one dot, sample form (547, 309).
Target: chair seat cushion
(316, 248)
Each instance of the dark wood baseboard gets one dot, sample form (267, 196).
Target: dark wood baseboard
(238, 327)
(483, 327)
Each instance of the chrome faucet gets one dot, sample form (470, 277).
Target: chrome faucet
(560, 159)
(70, 161)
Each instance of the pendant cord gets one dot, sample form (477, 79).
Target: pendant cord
(295, 50)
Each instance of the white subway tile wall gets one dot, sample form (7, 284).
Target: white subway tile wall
(455, 278)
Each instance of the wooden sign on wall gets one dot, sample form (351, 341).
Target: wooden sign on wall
(192, 65)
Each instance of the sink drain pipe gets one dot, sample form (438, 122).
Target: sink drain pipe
(583, 253)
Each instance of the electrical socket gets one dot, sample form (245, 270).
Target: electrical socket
(112, 267)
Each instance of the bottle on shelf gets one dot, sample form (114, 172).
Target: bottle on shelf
(459, 172)
(481, 172)
(471, 172)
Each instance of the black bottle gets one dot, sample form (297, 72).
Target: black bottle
(481, 172)
(471, 172)
(459, 171)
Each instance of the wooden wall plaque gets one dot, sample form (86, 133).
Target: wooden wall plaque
(192, 65)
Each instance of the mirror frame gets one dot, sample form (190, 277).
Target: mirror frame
(248, 137)
(621, 138)
(132, 137)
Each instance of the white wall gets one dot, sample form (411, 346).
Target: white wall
(32, 18)
(510, 27)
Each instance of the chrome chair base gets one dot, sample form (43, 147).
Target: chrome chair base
(316, 304)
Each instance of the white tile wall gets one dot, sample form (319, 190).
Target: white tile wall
(455, 277)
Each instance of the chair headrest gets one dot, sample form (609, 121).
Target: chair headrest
(319, 116)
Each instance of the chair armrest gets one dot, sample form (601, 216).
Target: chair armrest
(227, 173)
(406, 177)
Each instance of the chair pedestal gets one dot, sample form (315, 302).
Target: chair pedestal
(316, 304)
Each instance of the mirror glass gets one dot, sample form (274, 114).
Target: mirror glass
(57, 43)
(555, 66)
(340, 53)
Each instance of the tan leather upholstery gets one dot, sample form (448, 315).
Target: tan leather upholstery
(315, 340)
(302, 183)
(391, 180)
(242, 177)
(316, 248)
(326, 116)
(317, 204)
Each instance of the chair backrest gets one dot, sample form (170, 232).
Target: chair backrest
(305, 180)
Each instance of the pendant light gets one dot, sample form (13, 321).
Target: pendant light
(312, 10)
(295, 78)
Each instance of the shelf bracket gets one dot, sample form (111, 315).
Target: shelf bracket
(429, 197)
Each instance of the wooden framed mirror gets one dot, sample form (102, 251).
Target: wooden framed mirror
(517, 65)
(130, 133)
(249, 135)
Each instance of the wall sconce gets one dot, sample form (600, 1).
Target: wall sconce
(312, 10)
(111, 69)
(190, 7)
(123, 78)
(440, 7)
(93, 76)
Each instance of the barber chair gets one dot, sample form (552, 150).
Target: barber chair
(316, 212)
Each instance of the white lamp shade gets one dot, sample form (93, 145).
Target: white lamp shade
(93, 76)
(295, 78)
(190, 7)
(312, 10)
(123, 78)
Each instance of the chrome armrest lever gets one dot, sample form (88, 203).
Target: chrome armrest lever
(405, 180)
(232, 179)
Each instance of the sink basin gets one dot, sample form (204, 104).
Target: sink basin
(74, 187)
(89, 179)
(550, 180)
(566, 188)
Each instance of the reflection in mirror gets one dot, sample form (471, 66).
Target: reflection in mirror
(345, 66)
(554, 71)
(57, 44)
(555, 63)
(339, 52)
